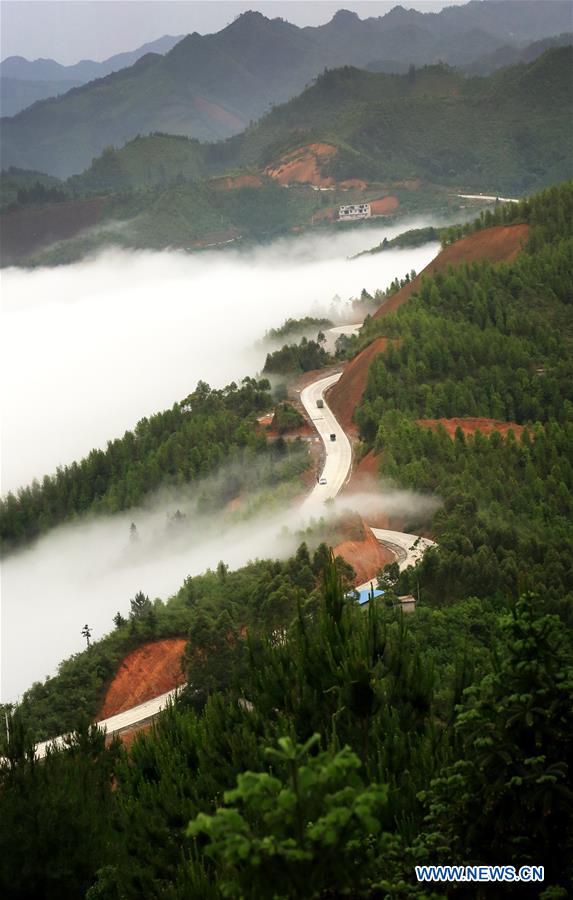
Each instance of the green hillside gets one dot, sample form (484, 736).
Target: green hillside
(211, 86)
(321, 749)
(509, 131)
(150, 161)
(508, 134)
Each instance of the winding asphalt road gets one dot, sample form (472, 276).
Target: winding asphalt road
(408, 548)
(338, 452)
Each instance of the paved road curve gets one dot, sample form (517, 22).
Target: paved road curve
(338, 452)
(144, 712)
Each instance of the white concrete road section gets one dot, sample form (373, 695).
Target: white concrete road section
(491, 197)
(338, 452)
(332, 334)
(407, 548)
(116, 724)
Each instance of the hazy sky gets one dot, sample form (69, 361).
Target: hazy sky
(70, 30)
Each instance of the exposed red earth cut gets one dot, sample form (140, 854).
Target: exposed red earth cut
(502, 243)
(345, 396)
(29, 229)
(383, 206)
(145, 673)
(303, 166)
(469, 426)
(366, 557)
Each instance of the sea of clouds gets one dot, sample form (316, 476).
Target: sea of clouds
(90, 348)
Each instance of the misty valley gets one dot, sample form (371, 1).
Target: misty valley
(196, 319)
(287, 440)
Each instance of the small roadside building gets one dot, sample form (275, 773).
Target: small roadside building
(407, 601)
(354, 211)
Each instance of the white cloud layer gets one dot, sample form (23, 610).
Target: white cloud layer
(89, 349)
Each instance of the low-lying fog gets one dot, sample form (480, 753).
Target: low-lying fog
(86, 573)
(89, 349)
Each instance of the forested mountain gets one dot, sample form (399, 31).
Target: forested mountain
(431, 123)
(511, 56)
(170, 449)
(320, 750)
(494, 342)
(367, 135)
(211, 86)
(23, 81)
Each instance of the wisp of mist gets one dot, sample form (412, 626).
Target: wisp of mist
(89, 349)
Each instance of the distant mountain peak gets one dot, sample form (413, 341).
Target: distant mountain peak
(345, 15)
(249, 17)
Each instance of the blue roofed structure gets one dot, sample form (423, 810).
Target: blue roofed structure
(365, 595)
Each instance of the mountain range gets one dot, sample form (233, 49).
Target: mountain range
(23, 81)
(406, 142)
(212, 86)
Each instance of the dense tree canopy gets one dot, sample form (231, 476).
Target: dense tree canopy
(320, 749)
(193, 439)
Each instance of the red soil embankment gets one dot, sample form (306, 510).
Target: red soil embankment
(366, 557)
(145, 673)
(384, 206)
(471, 425)
(502, 243)
(303, 166)
(365, 479)
(345, 396)
(364, 474)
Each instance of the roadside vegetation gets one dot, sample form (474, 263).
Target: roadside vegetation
(495, 342)
(297, 327)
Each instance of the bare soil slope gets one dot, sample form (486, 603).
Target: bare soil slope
(303, 166)
(502, 243)
(30, 228)
(383, 206)
(366, 557)
(347, 393)
(469, 426)
(145, 673)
